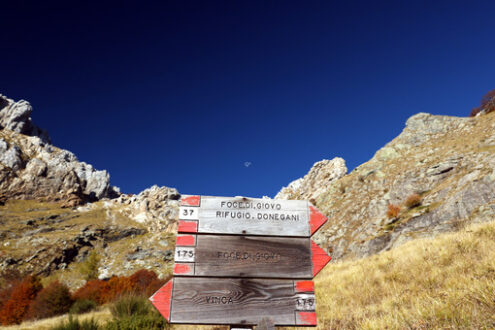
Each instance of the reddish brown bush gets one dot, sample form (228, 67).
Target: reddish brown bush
(142, 282)
(8, 280)
(95, 290)
(413, 201)
(55, 299)
(146, 282)
(487, 104)
(15, 308)
(118, 286)
(393, 210)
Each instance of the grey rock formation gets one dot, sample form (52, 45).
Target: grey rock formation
(10, 157)
(315, 182)
(16, 116)
(448, 161)
(157, 207)
(32, 168)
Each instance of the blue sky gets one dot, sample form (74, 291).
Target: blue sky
(184, 93)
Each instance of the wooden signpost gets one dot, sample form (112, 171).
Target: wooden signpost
(243, 261)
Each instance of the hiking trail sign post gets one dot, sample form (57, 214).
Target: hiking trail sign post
(244, 261)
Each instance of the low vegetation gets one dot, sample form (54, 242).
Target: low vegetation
(442, 283)
(393, 211)
(487, 104)
(26, 299)
(412, 201)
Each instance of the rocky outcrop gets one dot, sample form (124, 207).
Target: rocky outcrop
(16, 116)
(46, 223)
(30, 167)
(157, 207)
(448, 161)
(315, 182)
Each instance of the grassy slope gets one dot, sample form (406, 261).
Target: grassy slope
(446, 282)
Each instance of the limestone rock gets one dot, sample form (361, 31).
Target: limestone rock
(16, 116)
(157, 207)
(10, 157)
(315, 182)
(448, 161)
(32, 168)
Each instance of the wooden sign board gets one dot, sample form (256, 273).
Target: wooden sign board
(236, 301)
(248, 216)
(248, 256)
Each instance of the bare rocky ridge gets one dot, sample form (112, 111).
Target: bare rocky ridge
(448, 161)
(30, 167)
(55, 209)
(315, 182)
(16, 116)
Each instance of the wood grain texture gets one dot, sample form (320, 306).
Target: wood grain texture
(249, 216)
(248, 256)
(236, 301)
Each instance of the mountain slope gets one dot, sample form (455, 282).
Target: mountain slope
(449, 162)
(55, 209)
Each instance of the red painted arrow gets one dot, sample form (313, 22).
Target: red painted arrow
(187, 200)
(316, 219)
(162, 299)
(320, 258)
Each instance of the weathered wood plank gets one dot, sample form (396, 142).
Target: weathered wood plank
(235, 301)
(249, 216)
(246, 256)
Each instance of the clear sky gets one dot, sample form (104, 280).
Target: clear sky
(188, 93)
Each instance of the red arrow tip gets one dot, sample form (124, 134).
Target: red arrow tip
(320, 258)
(306, 318)
(188, 226)
(316, 220)
(190, 200)
(305, 286)
(162, 299)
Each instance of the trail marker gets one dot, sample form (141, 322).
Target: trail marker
(244, 261)
(248, 216)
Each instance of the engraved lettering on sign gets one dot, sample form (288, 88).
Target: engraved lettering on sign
(239, 255)
(259, 216)
(185, 254)
(219, 300)
(305, 302)
(188, 213)
(251, 205)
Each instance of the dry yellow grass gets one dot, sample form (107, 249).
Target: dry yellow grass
(102, 316)
(442, 283)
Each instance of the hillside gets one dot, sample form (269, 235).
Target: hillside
(55, 209)
(448, 161)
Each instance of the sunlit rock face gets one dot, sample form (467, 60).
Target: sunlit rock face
(315, 182)
(16, 116)
(30, 167)
(448, 161)
(55, 210)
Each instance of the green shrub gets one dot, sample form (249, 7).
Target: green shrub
(138, 322)
(130, 306)
(134, 313)
(75, 324)
(83, 306)
(89, 268)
